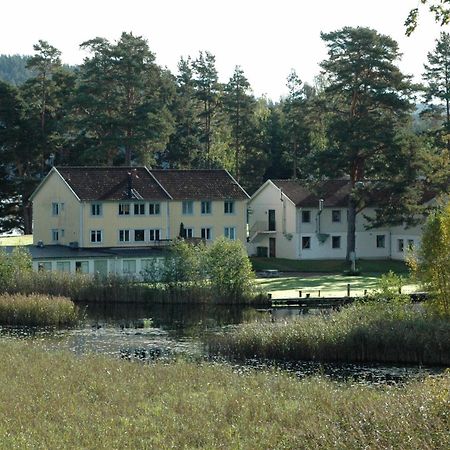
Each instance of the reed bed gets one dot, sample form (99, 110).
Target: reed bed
(387, 332)
(57, 400)
(37, 310)
(86, 288)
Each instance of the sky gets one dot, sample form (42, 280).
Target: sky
(267, 38)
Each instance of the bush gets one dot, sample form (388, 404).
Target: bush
(431, 264)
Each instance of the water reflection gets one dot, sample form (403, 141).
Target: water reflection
(148, 332)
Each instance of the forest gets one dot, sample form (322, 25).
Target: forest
(362, 119)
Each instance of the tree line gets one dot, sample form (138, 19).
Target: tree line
(357, 120)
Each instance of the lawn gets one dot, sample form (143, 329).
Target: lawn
(26, 239)
(328, 266)
(329, 285)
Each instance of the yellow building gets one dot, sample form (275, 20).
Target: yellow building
(109, 214)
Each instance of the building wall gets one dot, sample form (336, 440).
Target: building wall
(272, 198)
(217, 220)
(55, 190)
(110, 222)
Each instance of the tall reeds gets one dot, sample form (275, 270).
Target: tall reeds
(388, 332)
(36, 310)
(58, 400)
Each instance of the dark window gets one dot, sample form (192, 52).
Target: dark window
(139, 235)
(400, 245)
(124, 209)
(306, 216)
(188, 207)
(205, 233)
(335, 215)
(306, 242)
(153, 209)
(154, 235)
(381, 240)
(336, 242)
(206, 207)
(139, 209)
(228, 207)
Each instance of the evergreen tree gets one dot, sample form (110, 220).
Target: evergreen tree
(184, 144)
(239, 106)
(123, 100)
(368, 99)
(207, 92)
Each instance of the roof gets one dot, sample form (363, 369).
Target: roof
(303, 194)
(200, 184)
(64, 252)
(112, 183)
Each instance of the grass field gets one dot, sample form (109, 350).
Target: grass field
(328, 266)
(58, 400)
(329, 285)
(26, 239)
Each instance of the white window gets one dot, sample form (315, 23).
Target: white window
(155, 234)
(55, 209)
(228, 207)
(206, 233)
(129, 266)
(96, 209)
(55, 235)
(188, 207)
(139, 209)
(96, 236)
(124, 235)
(82, 266)
(139, 235)
(188, 233)
(63, 266)
(206, 207)
(154, 209)
(230, 233)
(45, 265)
(124, 209)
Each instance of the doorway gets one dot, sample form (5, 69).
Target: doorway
(272, 247)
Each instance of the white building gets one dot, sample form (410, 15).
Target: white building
(289, 220)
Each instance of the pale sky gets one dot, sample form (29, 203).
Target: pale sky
(267, 38)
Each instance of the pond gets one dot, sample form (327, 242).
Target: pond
(149, 332)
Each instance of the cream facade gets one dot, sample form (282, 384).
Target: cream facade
(280, 228)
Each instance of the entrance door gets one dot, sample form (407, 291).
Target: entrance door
(271, 220)
(272, 251)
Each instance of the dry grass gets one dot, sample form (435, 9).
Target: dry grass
(37, 310)
(56, 400)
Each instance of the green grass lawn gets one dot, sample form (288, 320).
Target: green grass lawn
(26, 239)
(329, 285)
(328, 266)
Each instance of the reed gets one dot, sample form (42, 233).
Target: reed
(57, 400)
(387, 332)
(36, 310)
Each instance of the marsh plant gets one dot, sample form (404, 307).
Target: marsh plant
(37, 310)
(58, 400)
(384, 327)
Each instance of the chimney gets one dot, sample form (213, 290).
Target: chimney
(130, 185)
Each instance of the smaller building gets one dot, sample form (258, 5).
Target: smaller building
(287, 219)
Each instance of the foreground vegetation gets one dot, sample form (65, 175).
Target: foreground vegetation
(67, 401)
(384, 327)
(37, 310)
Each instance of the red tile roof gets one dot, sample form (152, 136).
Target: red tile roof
(112, 183)
(200, 184)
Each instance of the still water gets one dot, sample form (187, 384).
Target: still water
(150, 332)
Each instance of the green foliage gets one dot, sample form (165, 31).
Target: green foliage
(37, 310)
(431, 264)
(439, 8)
(14, 264)
(13, 69)
(229, 269)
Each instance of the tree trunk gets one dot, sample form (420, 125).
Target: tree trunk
(27, 219)
(351, 227)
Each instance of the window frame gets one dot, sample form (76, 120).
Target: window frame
(206, 207)
(229, 207)
(335, 239)
(156, 206)
(187, 207)
(230, 233)
(96, 209)
(306, 212)
(306, 239)
(123, 233)
(381, 240)
(338, 214)
(124, 209)
(206, 233)
(143, 235)
(140, 206)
